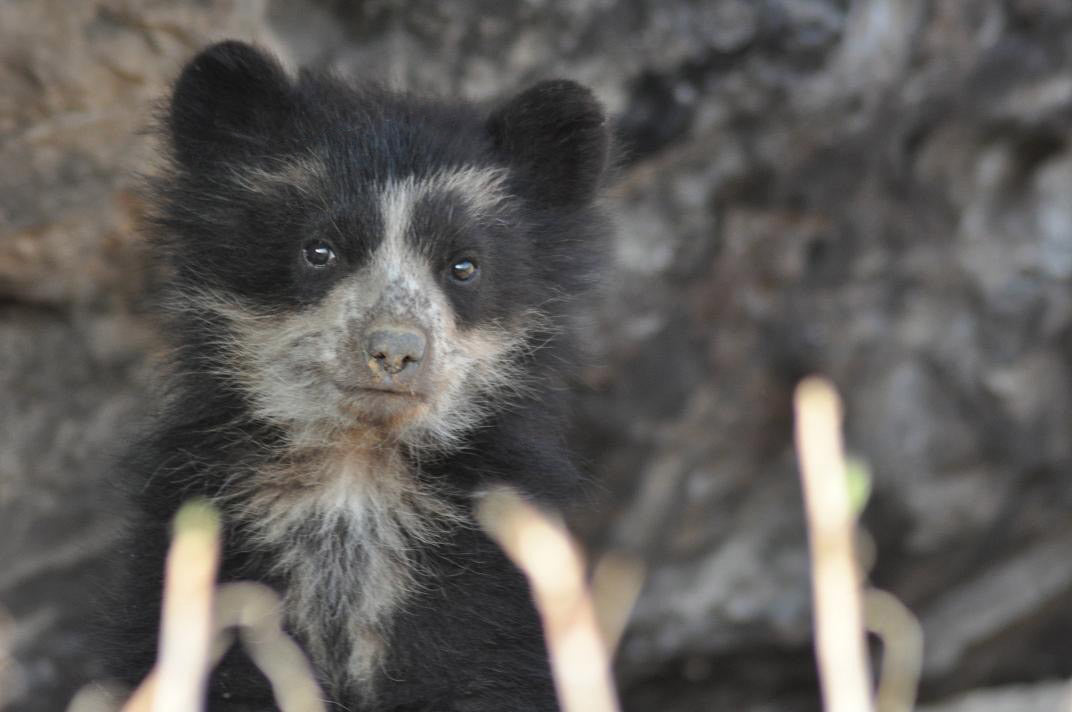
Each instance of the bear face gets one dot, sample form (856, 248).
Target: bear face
(364, 260)
(372, 299)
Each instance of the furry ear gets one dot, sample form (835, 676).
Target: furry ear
(556, 134)
(226, 103)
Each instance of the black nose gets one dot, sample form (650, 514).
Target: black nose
(395, 349)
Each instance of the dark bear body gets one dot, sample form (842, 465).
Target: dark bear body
(373, 301)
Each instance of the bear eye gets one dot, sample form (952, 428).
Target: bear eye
(463, 270)
(318, 253)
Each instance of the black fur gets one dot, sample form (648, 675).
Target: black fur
(469, 639)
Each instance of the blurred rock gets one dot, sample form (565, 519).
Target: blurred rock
(68, 404)
(80, 81)
(1046, 697)
(877, 190)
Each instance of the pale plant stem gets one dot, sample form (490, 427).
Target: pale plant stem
(616, 584)
(179, 678)
(839, 632)
(902, 649)
(540, 546)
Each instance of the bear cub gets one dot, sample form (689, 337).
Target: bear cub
(373, 303)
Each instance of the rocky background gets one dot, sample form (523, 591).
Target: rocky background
(878, 190)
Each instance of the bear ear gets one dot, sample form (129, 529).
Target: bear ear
(227, 102)
(556, 134)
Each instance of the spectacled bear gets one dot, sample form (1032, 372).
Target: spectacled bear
(374, 301)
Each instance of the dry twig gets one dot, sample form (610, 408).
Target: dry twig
(616, 584)
(839, 636)
(254, 611)
(178, 680)
(540, 546)
(199, 624)
(902, 650)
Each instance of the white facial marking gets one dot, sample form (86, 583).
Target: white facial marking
(481, 189)
(304, 173)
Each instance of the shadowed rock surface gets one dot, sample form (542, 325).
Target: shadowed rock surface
(879, 190)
